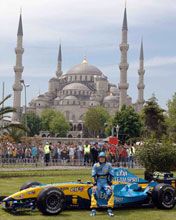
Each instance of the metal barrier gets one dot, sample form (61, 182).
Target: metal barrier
(39, 162)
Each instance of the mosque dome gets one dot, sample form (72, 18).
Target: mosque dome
(110, 98)
(84, 69)
(114, 90)
(71, 97)
(76, 86)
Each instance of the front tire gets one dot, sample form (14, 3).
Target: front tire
(51, 201)
(163, 196)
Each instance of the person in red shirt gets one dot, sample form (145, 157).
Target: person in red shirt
(113, 153)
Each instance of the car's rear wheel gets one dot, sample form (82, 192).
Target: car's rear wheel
(51, 201)
(163, 196)
(29, 184)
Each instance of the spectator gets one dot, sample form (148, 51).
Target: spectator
(94, 153)
(47, 151)
(86, 148)
(79, 153)
(71, 154)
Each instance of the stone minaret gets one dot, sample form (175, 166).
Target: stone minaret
(59, 63)
(18, 69)
(123, 66)
(141, 86)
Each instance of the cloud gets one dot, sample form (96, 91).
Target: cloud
(156, 62)
(88, 27)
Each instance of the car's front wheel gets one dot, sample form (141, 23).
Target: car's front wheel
(163, 196)
(51, 201)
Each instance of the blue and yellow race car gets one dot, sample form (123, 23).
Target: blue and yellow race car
(128, 190)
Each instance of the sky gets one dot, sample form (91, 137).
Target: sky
(90, 28)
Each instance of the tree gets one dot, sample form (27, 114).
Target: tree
(16, 133)
(129, 123)
(33, 123)
(54, 122)
(157, 156)
(95, 119)
(4, 112)
(15, 130)
(46, 116)
(153, 118)
(171, 118)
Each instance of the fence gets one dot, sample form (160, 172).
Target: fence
(39, 162)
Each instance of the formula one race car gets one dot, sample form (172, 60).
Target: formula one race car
(128, 190)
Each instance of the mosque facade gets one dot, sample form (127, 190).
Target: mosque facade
(80, 88)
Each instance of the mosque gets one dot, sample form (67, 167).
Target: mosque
(81, 87)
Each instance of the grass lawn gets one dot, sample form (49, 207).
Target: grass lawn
(11, 181)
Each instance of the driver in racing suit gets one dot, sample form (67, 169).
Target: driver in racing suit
(102, 173)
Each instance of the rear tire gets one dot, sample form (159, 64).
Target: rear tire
(51, 201)
(29, 184)
(163, 196)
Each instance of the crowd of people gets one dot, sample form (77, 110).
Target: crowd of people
(72, 154)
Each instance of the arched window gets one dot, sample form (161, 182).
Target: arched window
(67, 115)
(79, 127)
(70, 136)
(73, 117)
(71, 127)
(74, 127)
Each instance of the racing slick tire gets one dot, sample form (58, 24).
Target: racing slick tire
(51, 201)
(29, 184)
(163, 196)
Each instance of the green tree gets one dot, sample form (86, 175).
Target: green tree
(4, 112)
(129, 123)
(10, 128)
(46, 116)
(33, 123)
(54, 122)
(153, 118)
(95, 119)
(171, 118)
(157, 156)
(16, 133)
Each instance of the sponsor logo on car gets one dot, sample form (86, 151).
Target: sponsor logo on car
(77, 189)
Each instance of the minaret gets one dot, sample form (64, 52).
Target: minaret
(18, 69)
(59, 63)
(123, 66)
(141, 86)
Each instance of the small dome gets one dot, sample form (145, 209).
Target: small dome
(57, 99)
(114, 90)
(110, 98)
(42, 98)
(84, 69)
(76, 86)
(53, 79)
(71, 97)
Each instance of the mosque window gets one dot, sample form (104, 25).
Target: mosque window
(75, 77)
(73, 117)
(67, 115)
(80, 78)
(86, 78)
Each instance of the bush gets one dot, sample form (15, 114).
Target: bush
(155, 156)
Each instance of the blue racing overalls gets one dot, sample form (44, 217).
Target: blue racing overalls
(102, 174)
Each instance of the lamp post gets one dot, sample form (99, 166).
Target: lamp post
(117, 130)
(25, 101)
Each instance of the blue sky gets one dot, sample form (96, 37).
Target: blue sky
(91, 28)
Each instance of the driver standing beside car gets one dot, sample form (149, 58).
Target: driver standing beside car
(102, 173)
